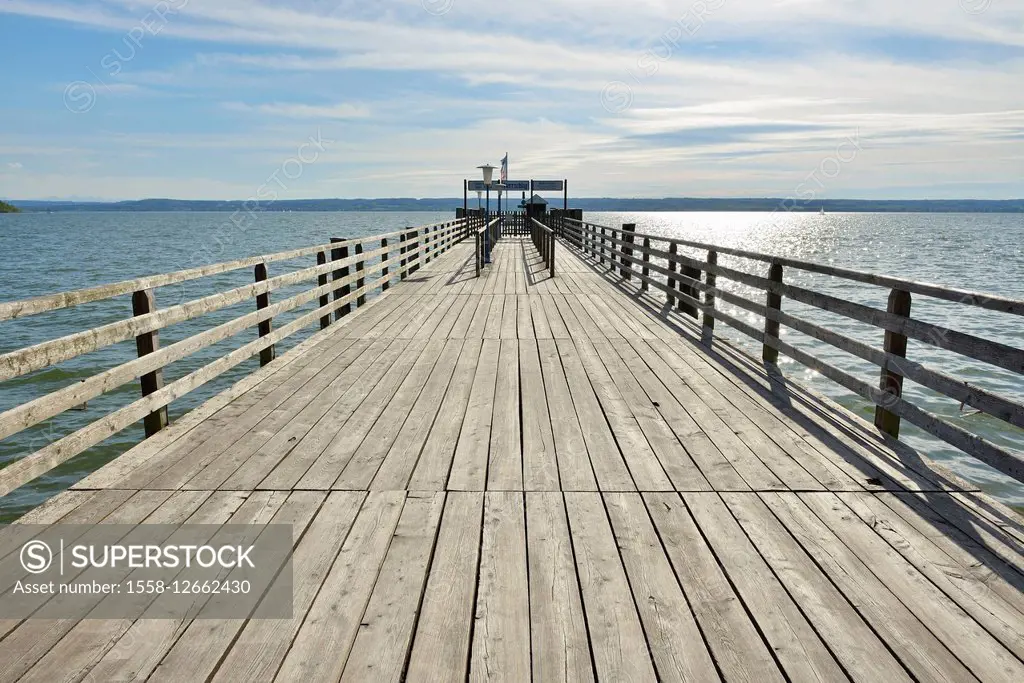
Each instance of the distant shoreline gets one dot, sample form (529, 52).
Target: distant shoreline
(587, 204)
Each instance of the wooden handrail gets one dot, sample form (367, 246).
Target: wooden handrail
(544, 239)
(492, 233)
(18, 309)
(682, 283)
(992, 302)
(350, 279)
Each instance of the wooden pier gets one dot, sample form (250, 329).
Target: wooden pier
(548, 471)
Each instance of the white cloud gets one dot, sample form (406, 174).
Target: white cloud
(789, 77)
(16, 165)
(303, 111)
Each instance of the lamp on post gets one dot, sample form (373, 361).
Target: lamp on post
(488, 172)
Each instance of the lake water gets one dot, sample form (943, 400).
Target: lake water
(44, 253)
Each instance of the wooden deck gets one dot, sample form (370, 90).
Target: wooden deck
(517, 476)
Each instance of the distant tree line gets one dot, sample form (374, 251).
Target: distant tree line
(8, 208)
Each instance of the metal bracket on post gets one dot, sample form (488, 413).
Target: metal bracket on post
(143, 303)
(771, 327)
(891, 383)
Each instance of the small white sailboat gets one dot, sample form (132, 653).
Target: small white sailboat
(822, 211)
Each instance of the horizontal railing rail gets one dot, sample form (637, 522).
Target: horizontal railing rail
(544, 239)
(346, 271)
(692, 286)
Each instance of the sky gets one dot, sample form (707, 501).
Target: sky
(290, 99)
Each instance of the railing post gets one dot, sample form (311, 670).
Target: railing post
(709, 295)
(891, 382)
(691, 290)
(361, 299)
(401, 250)
(611, 249)
(771, 327)
(321, 280)
(626, 269)
(416, 257)
(427, 245)
(336, 255)
(600, 257)
(265, 326)
(345, 289)
(551, 254)
(144, 302)
(673, 249)
(385, 280)
(646, 272)
(478, 254)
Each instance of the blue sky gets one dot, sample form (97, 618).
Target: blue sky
(215, 99)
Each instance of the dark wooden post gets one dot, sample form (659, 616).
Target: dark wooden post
(401, 250)
(361, 299)
(709, 295)
(384, 279)
(673, 249)
(414, 260)
(601, 251)
(345, 289)
(771, 327)
(143, 302)
(476, 237)
(262, 301)
(321, 280)
(336, 255)
(551, 255)
(428, 245)
(891, 383)
(689, 289)
(626, 270)
(611, 249)
(646, 272)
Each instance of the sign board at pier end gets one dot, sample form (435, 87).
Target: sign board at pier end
(508, 186)
(547, 185)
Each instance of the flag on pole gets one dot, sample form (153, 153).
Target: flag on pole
(504, 169)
